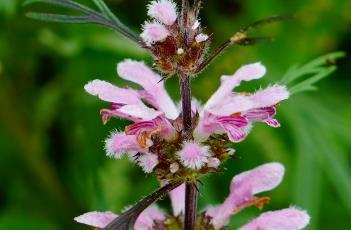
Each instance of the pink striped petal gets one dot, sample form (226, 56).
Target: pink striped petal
(159, 124)
(242, 190)
(96, 219)
(236, 127)
(270, 96)
(245, 73)
(141, 74)
(164, 11)
(154, 32)
(285, 219)
(120, 143)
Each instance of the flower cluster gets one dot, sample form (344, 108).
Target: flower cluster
(164, 37)
(243, 189)
(154, 140)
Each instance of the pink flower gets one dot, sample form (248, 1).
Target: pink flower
(193, 155)
(154, 32)
(286, 219)
(233, 113)
(243, 189)
(148, 162)
(164, 11)
(119, 143)
(145, 221)
(155, 116)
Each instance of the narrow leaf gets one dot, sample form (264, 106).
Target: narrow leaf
(59, 18)
(63, 3)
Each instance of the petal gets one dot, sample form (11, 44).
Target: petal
(163, 10)
(96, 219)
(140, 111)
(263, 178)
(270, 96)
(236, 127)
(285, 219)
(141, 74)
(235, 133)
(146, 220)
(148, 162)
(231, 105)
(120, 143)
(110, 93)
(213, 162)
(193, 155)
(154, 32)
(201, 38)
(177, 196)
(245, 73)
(160, 125)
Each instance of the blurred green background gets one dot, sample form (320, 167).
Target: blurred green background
(52, 162)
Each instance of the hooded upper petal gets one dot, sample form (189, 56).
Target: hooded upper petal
(141, 74)
(110, 93)
(286, 219)
(269, 96)
(228, 83)
(242, 190)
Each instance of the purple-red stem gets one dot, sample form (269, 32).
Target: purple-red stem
(191, 192)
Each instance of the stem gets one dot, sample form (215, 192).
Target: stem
(191, 192)
(191, 195)
(185, 90)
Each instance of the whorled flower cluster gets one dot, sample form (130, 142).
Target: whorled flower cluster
(154, 140)
(243, 190)
(164, 38)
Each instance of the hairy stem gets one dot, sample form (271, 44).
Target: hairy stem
(191, 192)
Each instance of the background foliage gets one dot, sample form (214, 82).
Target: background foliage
(52, 164)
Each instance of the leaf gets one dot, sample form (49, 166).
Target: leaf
(64, 3)
(104, 9)
(313, 72)
(105, 18)
(307, 84)
(59, 18)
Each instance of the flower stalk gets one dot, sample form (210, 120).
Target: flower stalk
(191, 192)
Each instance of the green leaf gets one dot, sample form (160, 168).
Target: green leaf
(59, 18)
(307, 85)
(104, 9)
(309, 74)
(64, 3)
